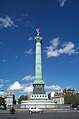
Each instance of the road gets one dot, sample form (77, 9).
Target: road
(45, 115)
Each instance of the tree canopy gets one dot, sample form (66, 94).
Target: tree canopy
(22, 98)
(71, 98)
(2, 100)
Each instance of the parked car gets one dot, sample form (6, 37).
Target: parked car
(78, 107)
(73, 106)
(2, 107)
(31, 110)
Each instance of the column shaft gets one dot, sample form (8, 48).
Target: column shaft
(38, 69)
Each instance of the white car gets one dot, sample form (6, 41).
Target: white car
(35, 110)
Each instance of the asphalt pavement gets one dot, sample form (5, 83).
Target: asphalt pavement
(47, 114)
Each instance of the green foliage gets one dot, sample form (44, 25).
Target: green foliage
(71, 98)
(22, 98)
(2, 100)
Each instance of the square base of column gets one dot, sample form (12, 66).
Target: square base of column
(38, 89)
(39, 96)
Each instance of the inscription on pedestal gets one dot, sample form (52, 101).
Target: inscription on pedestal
(38, 89)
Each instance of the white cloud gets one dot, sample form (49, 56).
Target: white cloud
(16, 86)
(1, 85)
(62, 2)
(6, 22)
(29, 77)
(53, 53)
(55, 42)
(30, 38)
(28, 89)
(2, 93)
(53, 87)
(29, 52)
(54, 50)
(68, 48)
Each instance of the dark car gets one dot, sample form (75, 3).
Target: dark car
(12, 110)
(73, 106)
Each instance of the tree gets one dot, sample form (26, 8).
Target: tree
(2, 101)
(71, 98)
(22, 98)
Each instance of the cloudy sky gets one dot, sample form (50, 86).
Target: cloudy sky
(58, 21)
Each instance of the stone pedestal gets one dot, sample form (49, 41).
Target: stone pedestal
(39, 97)
(38, 89)
(39, 103)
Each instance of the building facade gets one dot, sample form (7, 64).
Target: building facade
(10, 98)
(58, 98)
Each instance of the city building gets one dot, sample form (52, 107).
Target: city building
(58, 98)
(69, 90)
(10, 98)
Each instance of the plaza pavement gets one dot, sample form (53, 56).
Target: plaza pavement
(48, 114)
(44, 110)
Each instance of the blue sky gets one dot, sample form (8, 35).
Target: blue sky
(58, 21)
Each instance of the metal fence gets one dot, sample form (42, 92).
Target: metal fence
(45, 106)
